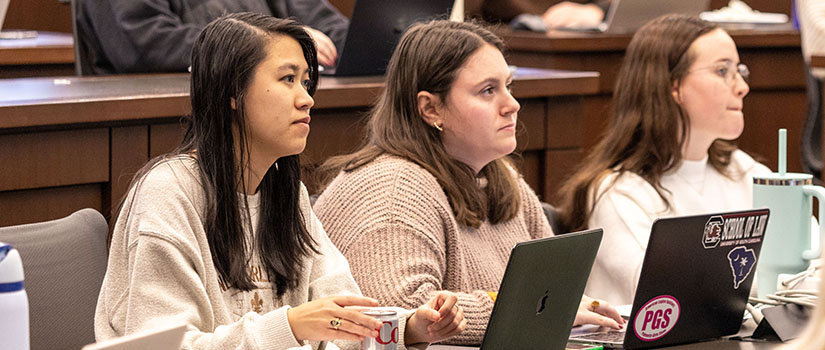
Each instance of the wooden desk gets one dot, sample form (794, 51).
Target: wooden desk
(719, 344)
(722, 344)
(777, 97)
(70, 143)
(49, 54)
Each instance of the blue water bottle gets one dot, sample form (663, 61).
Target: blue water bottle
(14, 304)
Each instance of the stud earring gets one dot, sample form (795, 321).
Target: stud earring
(437, 127)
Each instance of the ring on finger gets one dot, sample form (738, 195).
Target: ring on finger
(594, 305)
(335, 323)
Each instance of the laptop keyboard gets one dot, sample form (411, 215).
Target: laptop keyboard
(615, 337)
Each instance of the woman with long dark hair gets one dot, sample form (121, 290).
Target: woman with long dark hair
(668, 149)
(433, 201)
(219, 234)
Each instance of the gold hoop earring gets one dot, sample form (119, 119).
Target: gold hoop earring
(437, 127)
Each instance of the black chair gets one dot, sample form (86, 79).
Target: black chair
(82, 55)
(554, 219)
(812, 130)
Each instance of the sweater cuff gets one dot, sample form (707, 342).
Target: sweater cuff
(403, 316)
(274, 332)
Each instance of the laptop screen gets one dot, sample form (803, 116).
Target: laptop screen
(376, 27)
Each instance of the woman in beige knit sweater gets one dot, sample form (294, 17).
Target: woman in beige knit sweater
(433, 202)
(218, 235)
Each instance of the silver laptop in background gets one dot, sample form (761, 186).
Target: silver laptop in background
(625, 16)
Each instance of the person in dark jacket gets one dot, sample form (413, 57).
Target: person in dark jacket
(143, 36)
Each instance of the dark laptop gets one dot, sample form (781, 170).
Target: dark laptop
(541, 291)
(695, 280)
(374, 30)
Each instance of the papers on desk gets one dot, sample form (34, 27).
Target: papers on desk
(739, 12)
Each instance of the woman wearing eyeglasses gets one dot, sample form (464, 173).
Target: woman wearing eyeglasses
(668, 149)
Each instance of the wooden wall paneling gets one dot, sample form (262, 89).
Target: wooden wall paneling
(332, 132)
(774, 68)
(129, 153)
(165, 137)
(532, 168)
(136, 117)
(48, 15)
(530, 131)
(565, 129)
(565, 123)
(607, 63)
(766, 112)
(42, 204)
(56, 158)
(596, 118)
(558, 166)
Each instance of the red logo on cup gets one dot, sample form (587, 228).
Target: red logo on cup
(656, 318)
(387, 334)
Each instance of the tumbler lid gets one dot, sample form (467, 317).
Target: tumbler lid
(787, 179)
(11, 266)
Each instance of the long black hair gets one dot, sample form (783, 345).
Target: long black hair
(224, 58)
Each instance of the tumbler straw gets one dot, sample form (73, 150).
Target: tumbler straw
(783, 140)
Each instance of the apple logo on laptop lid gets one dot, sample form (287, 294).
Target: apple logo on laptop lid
(542, 303)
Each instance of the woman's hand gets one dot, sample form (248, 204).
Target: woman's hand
(317, 319)
(327, 53)
(598, 312)
(438, 319)
(570, 14)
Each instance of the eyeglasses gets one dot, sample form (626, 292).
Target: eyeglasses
(728, 71)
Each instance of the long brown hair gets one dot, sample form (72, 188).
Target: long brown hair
(428, 58)
(224, 58)
(647, 129)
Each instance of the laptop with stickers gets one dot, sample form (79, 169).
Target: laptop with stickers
(695, 280)
(541, 291)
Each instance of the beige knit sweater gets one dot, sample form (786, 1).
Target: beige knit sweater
(394, 224)
(160, 271)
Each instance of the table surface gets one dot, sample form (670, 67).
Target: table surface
(45, 48)
(718, 344)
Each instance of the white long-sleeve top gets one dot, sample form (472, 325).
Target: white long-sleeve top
(811, 15)
(627, 205)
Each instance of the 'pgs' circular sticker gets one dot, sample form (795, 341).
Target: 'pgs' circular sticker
(656, 318)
